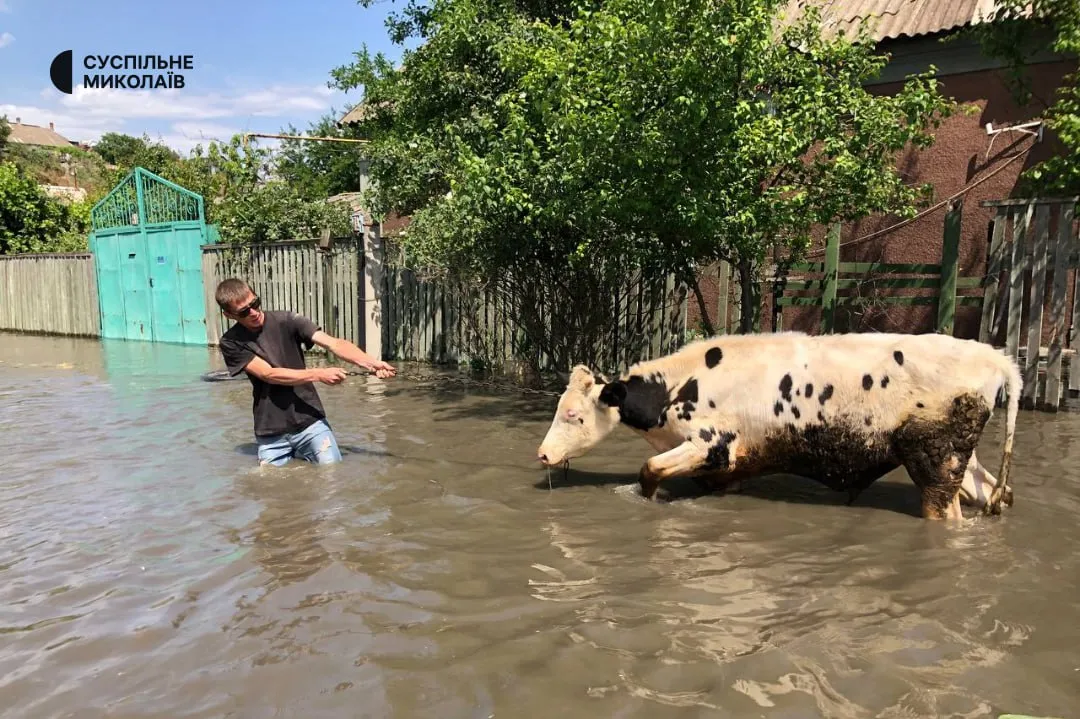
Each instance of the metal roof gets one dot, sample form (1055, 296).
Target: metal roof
(891, 19)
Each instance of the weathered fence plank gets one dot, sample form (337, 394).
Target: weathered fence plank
(1057, 308)
(1035, 307)
(49, 294)
(950, 254)
(1021, 219)
(989, 324)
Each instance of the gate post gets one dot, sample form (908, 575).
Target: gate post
(374, 282)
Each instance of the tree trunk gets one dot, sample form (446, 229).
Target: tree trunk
(691, 279)
(748, 301)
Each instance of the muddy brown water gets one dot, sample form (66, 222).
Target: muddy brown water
(149, 568)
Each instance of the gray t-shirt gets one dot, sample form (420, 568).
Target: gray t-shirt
(278, 409)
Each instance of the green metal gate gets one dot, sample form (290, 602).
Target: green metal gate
(146, 240)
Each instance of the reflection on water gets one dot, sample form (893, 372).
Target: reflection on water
(149, 567)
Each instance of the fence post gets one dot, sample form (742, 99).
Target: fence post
(372, 292)
(325, 250)
(723, 288)
(832, 266)
(950, 255)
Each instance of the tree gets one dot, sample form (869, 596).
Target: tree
(661, 134)
(1015, 31)
(119, 149)
(274, 211)
(32, 221)
(318, 170)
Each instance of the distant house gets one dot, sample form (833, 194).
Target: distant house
(48, 137)
(36, 135)
(392, 224)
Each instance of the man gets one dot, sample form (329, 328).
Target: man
(289, 417)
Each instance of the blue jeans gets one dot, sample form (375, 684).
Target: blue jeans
(316, 444)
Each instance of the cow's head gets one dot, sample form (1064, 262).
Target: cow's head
(581, 419)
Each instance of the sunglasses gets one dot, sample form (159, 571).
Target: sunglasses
(246, 310)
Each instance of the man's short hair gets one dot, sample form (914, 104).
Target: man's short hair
(230, 291)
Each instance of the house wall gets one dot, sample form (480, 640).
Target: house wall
(963, 153)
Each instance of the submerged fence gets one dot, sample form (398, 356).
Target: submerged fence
(296, 275)
(355, 292)
(49, 294)
(1033, 248)
(440, 322)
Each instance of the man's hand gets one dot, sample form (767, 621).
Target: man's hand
(381, 369)
(330, 375)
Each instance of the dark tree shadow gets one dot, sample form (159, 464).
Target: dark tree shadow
(890, 495)
(454, 403)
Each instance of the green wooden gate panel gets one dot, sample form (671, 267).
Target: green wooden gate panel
(161, 251)
(136, 298)
(110, 288)
(147, 240)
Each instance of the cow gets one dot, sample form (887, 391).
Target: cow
(841, 409)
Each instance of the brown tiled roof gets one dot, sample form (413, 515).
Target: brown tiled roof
(890, 19)
(358, 113)
(34, 135)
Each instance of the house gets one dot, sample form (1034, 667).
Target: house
(979, 155)
(36, 135)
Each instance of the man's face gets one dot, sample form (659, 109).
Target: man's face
(246, 311)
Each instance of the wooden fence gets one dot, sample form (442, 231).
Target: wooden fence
(438, 322)
(302, 276)
(1025, 259)
(49, 294)
(835, 285)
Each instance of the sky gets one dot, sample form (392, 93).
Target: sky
(258, 66)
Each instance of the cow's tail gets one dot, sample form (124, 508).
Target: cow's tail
(1014, 383)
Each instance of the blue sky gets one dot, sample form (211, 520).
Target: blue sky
(257, 65)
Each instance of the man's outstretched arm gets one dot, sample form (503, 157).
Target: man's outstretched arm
(349, 352)
(292, 377)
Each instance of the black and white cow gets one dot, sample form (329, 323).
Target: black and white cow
(843, 409)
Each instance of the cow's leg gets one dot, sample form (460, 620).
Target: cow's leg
(688, 459)
(938, 475)
(681, 460)
(936, 454)
(978, 485)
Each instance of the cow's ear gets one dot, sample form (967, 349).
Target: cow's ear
(581, 378)
(613, 394)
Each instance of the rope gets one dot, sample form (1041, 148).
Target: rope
(224, 376)
(928, 210)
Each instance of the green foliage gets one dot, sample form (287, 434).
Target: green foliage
(119, 149)
(1017, 30)
(68, 166)
(274, 211)
(666, 133)
(32, 221)
(318, 170)
(5, 131)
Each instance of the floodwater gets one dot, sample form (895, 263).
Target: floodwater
(149, 568)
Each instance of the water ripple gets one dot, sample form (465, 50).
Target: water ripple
(149, 568)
